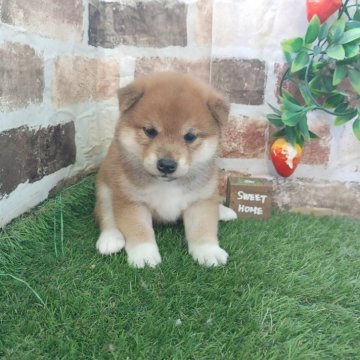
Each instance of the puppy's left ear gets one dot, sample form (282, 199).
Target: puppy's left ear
(129, 95)
(219, 109)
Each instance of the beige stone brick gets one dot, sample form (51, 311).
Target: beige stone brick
(346, 149)
(241, 80)
(60, 19)
(244, 23)
(107, 79)
(257, 24)
(318, 197)
(138, 23)
(203, 22)
(78, 79)
(200, 68)
(317, 151)
(29, 155)
(21, 76)
(244, 137)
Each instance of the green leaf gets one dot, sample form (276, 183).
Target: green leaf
(339, 74)
(275, 110)
(354, 77)
(299, 139)
(351, 50)
(303, 127)
(292, 45)
(300, 61)
(336, 31)
(305, 92)
(288, 57)
(334, 100)
(313, 135)
(290, 134)
(323, 31)
(313, 30)
(290, 105)
(291, 118)
(315, 84)
(336, 52)
(350, 35)
(321, 84)
(357, 15)
(342, 108)
(340, 120)
(318, 65)
(352, 25)
(275, 120)
(279, 133)
(287, 94)
(326, 81)
(356, 128)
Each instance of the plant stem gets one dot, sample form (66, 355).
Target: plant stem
(283, 80)
(343, 9)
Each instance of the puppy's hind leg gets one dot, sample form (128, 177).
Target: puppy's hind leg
(111, 239)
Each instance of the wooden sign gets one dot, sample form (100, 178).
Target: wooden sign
(249, 197)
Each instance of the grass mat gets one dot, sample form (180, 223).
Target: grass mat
(291, 290)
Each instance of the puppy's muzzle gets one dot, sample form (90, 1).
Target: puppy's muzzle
(166, 166)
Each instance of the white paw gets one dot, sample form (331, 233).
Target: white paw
(209, 254)
(226, 214)
(144, 254)
(110, 242)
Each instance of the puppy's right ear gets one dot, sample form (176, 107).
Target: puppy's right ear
(129, 95)
(219, 109)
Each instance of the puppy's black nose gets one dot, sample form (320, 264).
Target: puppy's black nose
(166, 165)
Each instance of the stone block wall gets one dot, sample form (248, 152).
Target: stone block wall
(247, 64)
(62, 63)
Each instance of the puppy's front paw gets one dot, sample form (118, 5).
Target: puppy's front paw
(144, 254)
(226, 214)
(208, 254)
(110, 242)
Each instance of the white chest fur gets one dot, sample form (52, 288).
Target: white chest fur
(168, 200)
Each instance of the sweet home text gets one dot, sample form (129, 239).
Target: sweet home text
(257, 199)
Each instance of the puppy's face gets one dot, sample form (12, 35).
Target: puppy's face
(170, 124)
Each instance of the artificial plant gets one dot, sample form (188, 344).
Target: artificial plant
(324, 70)
(324, 66)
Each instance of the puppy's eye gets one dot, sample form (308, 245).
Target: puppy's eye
(190, 137)
(150, 132)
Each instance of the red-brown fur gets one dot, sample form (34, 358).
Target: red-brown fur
(129, 184)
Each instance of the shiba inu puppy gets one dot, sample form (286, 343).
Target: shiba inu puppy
(161, 166)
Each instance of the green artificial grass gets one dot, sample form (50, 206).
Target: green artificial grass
(291, 290)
